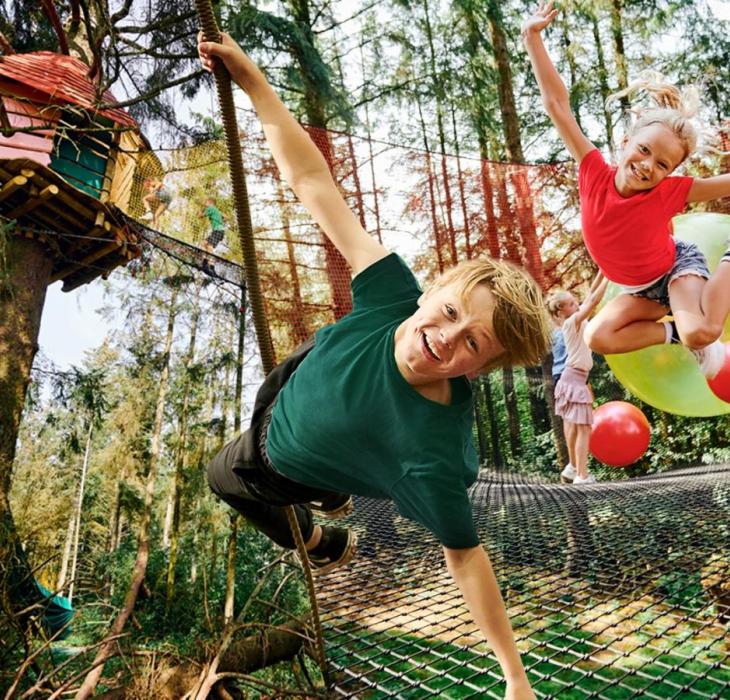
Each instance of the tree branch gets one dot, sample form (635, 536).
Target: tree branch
(152, 93)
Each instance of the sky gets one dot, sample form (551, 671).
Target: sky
(71, 324)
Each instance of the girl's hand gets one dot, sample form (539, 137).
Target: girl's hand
(544, 15)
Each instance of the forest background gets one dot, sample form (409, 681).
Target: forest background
(111, 454)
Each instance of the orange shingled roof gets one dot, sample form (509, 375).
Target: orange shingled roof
(63, 79)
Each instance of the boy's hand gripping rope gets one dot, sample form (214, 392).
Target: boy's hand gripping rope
(245, 232)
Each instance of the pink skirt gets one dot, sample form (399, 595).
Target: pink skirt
(573, 397)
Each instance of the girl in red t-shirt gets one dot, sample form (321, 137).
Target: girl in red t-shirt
(626, 213)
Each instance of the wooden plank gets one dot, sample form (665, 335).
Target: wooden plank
(100, 252)
(12, 185)
(111, 262)
(32, 202)
(63, 196)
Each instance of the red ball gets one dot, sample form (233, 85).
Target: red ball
(720, 383)
(620, 434)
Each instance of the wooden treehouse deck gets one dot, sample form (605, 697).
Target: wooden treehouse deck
(85, 237)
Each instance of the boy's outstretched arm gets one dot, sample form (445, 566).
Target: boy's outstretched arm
(473, 574)
(299, 160)
(555, 96)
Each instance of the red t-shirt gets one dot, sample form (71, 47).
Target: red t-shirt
(629, 238)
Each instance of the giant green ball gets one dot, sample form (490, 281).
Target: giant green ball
(667, 376)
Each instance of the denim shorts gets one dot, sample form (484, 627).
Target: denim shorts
(689, 260)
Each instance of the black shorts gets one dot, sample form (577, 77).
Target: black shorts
(215, 237)
(243, 465)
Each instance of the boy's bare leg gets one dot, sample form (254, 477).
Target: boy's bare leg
(625, 324)
(313, 541)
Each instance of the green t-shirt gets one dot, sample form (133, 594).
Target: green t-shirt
(215, 217)
(348, 421)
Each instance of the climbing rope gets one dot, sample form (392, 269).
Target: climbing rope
(248, 252)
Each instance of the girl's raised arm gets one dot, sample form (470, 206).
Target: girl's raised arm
(705, 189)
(301, 164)
(593, 298)
(555, 96)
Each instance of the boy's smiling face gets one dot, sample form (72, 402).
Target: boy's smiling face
(448, 336)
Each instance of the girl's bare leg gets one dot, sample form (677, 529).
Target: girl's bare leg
(716, 295)
(158, 213)
(700, 306)
(569, 431)
(582, 437)
(625, 324)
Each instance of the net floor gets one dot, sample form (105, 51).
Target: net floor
(615, 590)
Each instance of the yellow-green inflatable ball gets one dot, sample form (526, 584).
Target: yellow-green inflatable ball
(667, 376)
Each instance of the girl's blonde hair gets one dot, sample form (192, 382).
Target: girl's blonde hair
(556, 300)
(669, 106)
(519, 319)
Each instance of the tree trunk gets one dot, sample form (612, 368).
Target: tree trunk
(572, 68)
(556, 423)
(538, 404)
(492, 232)
(79, 509)
(231, 552)
(510, 121)
(23, 284)
(314, 111)
(228, 609)
(622, 71)
(371, 155)
(435, 224)
(63, 571)
(486, 390)
(437, 90)
(479, 420)
(181, 455)
(297, 318)
(513, 414)
(22, 294)
(243, 656)
(602, 81)
(462, 192)
(143, 546)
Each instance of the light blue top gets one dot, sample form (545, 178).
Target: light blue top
(560, 353)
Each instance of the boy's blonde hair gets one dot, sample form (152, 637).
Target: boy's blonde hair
(519, 319)
(556, 300)
(670, 107)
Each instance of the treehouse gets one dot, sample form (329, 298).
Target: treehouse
(68, 169)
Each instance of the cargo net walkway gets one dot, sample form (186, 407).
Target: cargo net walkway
(615, 591)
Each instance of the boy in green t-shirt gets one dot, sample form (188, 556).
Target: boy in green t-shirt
(217, 224)
(379, 403)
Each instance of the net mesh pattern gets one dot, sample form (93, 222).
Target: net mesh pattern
(433, 209)
(614, 591)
